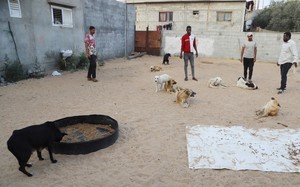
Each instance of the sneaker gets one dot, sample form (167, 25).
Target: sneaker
(89, 79)
(195, 79)
(94, 80)
(186, 79)
(280, 91)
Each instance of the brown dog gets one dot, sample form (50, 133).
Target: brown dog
(155, 68)
(169, 85)
(270, 109)
(183, 97)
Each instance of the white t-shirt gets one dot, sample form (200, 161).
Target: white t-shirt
(288, 53)
(192, 38)
(249, 49)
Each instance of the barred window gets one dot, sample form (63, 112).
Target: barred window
(165, 16)
(61, 16)
(14, 8)
(224, 16)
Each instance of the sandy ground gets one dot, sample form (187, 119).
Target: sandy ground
(151, 149)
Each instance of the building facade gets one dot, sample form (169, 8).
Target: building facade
(36, 29)
(202, 15)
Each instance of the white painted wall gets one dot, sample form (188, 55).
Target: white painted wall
(228, 44)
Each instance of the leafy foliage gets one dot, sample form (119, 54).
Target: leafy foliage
(13, 71)
(83, 61)
(280, 16)
(36, 71)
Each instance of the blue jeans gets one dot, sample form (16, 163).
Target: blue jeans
(189, 57)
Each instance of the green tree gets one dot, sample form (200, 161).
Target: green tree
(280, 16)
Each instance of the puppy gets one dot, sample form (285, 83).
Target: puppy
(183, 97)
(270, 109)
(160, 81)
(169, 85)
(166, 58)
(36, 137)
(216, 83)
(155, 68)
(242, 83)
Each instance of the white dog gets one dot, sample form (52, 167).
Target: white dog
(242, 83)
(160, 81)
(216, 82)
(270, 109)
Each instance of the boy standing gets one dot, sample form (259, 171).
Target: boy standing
(90, 48)
(188, 42)
(248, 56)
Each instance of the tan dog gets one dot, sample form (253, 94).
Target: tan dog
(155, 68)
(270, 109)
(169, 85)
(183, 97)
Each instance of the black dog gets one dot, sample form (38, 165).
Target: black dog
(166, 58)
(36, 137)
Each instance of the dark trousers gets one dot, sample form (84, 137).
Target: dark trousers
(92, 68)
(248, 63)
(248, 4)
(284, 69)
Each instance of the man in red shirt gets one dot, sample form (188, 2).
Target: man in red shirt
(188, 42)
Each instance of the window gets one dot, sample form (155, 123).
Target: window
(196, 12)
(61, 16)
(224, 16)
(14, 8)
(165, 16)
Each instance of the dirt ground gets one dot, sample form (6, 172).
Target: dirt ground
(151, 149)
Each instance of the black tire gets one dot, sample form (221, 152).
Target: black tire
(88, 146)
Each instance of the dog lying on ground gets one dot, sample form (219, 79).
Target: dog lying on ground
(270, 109)
(242, 83)
(169, 85)
(216, 82)
(36, 137)
(166, 58)
(160, 81)
(155, 68)
(183, 97)
(176, 88)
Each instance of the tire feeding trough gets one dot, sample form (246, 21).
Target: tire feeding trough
(86, 134)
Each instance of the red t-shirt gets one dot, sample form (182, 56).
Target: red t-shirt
(187, 43)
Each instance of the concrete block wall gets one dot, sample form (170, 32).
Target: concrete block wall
(22, 31)
(114, 25)
(148, 15)
(50, 38)
(35, 35)
(228, 44)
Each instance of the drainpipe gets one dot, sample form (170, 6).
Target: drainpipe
(12, 35)
(126, 29)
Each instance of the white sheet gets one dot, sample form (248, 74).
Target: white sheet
(238, 148)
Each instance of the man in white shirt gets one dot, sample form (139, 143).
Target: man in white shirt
(288, 56)
(248, 56)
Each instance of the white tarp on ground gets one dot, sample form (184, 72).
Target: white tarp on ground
(238, 148)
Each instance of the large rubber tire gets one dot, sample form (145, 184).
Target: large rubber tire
(88, 146)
